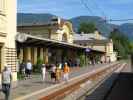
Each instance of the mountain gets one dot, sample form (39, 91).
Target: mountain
(104, 27)
(30, 19)
(127, 29)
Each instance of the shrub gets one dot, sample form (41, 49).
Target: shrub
(37, 67)
(82, 60)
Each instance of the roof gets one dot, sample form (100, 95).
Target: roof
(35, 41)
(38, 40)
(87, 36)
(92, 42)
(49, 24)
(36, 25)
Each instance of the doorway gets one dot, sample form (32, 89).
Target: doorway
(64, 37)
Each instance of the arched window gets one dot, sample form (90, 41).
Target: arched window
(64, 37)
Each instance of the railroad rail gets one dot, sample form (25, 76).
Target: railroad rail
(91, 79)
(103, 88)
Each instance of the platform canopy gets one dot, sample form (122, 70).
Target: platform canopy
(28, 40)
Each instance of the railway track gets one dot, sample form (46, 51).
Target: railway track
(75, 88)
(104, 88)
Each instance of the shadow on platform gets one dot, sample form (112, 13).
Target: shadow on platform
(117, 87)
(123, 88)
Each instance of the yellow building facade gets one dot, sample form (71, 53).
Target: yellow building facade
(98, 42)
(57, 29)
(56, 39)
(7, 36)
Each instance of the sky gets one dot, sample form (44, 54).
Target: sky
(112, 9)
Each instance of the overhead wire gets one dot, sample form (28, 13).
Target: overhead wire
(105, 19)
(86, 6)
(85, 3)
(103, 15)
(120, 20)
(99, 8)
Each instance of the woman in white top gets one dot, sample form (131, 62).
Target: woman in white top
(43, 70)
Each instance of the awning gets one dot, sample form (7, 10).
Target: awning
(29, 40)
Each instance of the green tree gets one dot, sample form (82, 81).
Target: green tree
(37, 67)
(87, 27)
(121, 43)
(131, 47)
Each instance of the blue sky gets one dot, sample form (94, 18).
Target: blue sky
(114, 9)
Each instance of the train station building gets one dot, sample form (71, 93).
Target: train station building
(52, 43)
(8, 32)
(97, 41)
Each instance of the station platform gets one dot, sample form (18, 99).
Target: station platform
(30, 86)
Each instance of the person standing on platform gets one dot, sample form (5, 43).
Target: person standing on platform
(43, 72)
(58, 73)
(66, 71)
(78, 62)
(6, 82)
(60, 66)
(23, 69)
(29, 68)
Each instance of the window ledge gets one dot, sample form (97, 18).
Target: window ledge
(3, 34)
(2, 13)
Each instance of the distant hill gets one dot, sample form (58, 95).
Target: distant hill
(30, 19)
(105, 28)
(127, 29)
(102, 26)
